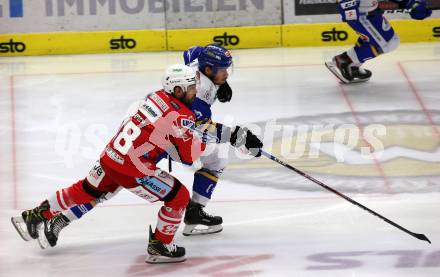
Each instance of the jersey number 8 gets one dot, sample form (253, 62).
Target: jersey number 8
(124, 141)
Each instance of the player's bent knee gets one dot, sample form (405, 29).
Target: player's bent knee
(180, 199)
(80, 193)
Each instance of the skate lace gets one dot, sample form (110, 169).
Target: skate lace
(58, 224)
(171, 247)
(203, 213)
(35, 216)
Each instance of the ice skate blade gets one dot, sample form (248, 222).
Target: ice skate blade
(156, 259)
(192, 230)
(20, 226)
(333, 69)
(42, 240)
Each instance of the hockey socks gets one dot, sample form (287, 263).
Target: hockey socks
(204, 184)
(170, 215)
(167, 224)
(362, 52)
(77, 194)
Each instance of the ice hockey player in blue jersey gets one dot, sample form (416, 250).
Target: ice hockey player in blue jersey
(212, 63)
(376, 36)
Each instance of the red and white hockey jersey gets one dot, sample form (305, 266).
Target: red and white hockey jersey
(162, 125)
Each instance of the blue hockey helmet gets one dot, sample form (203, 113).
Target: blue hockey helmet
(214, 56)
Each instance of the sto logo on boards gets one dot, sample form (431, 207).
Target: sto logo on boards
(436, 32)
(122, 43)
(12, 46)
(334, 35)
(226, 40)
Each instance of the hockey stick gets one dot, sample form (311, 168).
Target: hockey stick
(387, 5)
(275, 159)
(305, 175)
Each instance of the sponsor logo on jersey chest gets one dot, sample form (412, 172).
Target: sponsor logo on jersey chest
(189, 124)
(160, 102)
(114, 156)
(150, 110)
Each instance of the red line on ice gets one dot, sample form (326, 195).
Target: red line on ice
(359, 125)
(419, 99)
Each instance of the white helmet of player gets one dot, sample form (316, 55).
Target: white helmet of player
(178, 75)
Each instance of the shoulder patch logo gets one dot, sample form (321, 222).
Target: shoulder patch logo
(160, 102)
(150, 110)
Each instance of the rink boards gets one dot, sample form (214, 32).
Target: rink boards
(267, 36)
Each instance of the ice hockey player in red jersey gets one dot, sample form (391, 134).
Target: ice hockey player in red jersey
(162, 125)
(237, 136)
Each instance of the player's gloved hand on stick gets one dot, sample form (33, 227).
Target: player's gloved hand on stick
(243, 136)
(224, 93)
(419, 10)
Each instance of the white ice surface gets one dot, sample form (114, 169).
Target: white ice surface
(56, 114)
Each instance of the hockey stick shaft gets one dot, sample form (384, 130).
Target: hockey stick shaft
(305, 175)
(275, 159)
(388, 5)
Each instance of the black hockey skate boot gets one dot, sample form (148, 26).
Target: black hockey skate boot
(159, 253)
(48, 235)
(341, 67)
(32, 219)
(360, 74)
(195, 215)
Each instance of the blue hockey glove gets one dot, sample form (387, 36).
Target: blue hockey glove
(191, 54)
(419, 10)
(349, 10)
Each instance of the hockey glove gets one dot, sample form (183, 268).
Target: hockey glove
(224, 93)
(419, 10)
(349, 10)
(242, 136)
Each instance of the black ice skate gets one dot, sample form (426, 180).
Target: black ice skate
(341, 67)
(50, 230)
(160, 253)
(195, 217)
(27, 224)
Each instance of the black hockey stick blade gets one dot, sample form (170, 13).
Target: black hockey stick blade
(421, 237)
(305, 175)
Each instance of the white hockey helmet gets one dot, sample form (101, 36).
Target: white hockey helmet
(178, 75)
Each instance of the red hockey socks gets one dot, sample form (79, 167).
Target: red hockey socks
(170, 216)
(68, 197)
